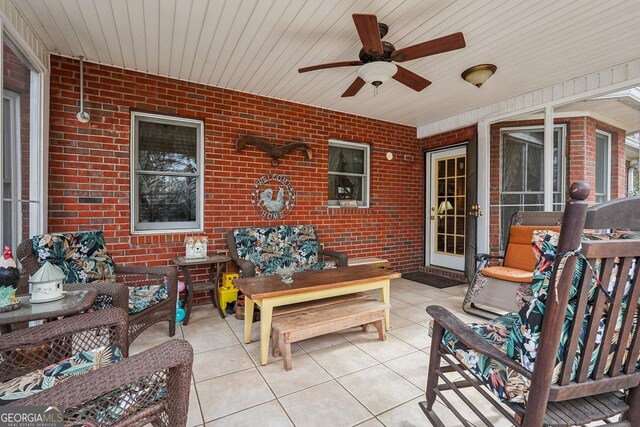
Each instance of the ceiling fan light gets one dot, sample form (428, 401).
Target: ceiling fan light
(377, 72)
(479, 74)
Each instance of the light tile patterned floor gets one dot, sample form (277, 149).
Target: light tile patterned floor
(343, 379)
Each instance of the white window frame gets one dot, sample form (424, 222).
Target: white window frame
(38, 137)
(607, 165)
(167, 227)
(563, 167)
(367, 171)
(16, 167)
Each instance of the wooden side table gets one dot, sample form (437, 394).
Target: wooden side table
(216, 264)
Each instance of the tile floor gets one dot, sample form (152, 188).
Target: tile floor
(343, 379)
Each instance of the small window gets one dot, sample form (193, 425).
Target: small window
(603, 169)
(348, 173)
(167, 178)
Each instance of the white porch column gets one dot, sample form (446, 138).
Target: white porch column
(484, 142)
(548, 158)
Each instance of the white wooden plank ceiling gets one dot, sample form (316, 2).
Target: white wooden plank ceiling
(257, 45)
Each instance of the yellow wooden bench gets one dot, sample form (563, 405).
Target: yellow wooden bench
(375, 262)
(301, 325)
(310, 305)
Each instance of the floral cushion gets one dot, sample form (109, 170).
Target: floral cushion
(42, 379)
(282, 246)
(82, 256)
(518, 335)
(525, 336)
(504, 382)
(143, 297)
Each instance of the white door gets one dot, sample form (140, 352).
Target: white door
(446, 208)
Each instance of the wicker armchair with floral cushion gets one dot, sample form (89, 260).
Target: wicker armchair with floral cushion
(80, 364)
(150, 295)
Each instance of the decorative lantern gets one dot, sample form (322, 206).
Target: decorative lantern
(46, 284)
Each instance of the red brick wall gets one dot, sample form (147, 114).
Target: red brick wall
(90, 166)
(448, 138)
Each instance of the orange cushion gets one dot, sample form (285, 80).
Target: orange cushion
(508, 274)
(519, 253)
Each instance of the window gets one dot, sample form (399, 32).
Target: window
(21, 157)
(522, 171)
(603, 169)
(167, 178)
(348, 173)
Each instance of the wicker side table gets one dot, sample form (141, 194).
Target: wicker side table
(216, 264)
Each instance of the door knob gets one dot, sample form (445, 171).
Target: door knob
(475, 210)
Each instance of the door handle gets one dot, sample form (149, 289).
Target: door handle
(475, 210)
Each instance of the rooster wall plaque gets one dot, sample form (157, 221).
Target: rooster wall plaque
(263, 200)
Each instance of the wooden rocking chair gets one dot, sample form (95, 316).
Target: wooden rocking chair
(571, 355)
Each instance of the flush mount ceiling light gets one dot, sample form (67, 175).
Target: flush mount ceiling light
(479, 74)
(377, 72)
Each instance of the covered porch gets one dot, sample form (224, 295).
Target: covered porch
(127, 117)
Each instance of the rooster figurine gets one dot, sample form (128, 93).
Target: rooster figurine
(9, 278)
(273, 206)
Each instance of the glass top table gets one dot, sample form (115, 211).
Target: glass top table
(74, 302)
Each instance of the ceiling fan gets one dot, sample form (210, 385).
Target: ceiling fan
(377, 57)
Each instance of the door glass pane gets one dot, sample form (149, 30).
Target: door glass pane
(449, 205)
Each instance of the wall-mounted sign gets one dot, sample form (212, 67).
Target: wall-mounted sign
(273, 196)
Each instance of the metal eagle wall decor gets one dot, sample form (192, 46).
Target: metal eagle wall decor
(273, 150)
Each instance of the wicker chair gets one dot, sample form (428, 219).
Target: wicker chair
(150, 387)
(125, 275)
(565, 357)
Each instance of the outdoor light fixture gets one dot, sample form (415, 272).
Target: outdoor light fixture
(377, 72)
(444, 206)
(82, 116)
(479, 74)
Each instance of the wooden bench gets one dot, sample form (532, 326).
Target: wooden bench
(375, 262)
(301, 325)
(313, 304)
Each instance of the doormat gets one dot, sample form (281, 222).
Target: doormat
(432, 279)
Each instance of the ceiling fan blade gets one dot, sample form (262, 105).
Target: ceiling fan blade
(357, 84)
(411, 79)
(369, 32)
(329, 65)
(443, 44)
